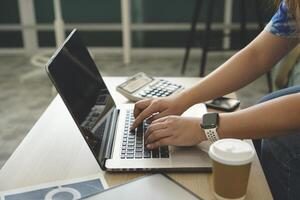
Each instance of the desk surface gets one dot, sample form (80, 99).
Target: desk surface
(55, 150)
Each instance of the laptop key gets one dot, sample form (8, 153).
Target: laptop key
(138, 149)
(164, 152)
(130, 141)
(140, 130)
(138, 154)
(155, 153)
(129, 156)
(131, 136)
(139, 142)
(130, 148)
(164, 155)
(130, 151)
(147, 153)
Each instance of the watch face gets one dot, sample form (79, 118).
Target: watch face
(210, 120)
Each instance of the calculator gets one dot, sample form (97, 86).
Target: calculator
(141, 86)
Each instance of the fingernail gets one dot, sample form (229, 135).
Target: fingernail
(149, 146)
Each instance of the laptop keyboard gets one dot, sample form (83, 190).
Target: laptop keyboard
(133, 142)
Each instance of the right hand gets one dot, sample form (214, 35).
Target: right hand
(161, 107)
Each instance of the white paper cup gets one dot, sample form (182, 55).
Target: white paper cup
(231, 168)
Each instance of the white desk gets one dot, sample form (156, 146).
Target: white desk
(54, 150)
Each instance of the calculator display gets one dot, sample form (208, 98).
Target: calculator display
(135, 83)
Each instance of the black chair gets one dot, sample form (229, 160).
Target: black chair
(207, 33)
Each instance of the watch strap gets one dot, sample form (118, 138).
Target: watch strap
(211, 134)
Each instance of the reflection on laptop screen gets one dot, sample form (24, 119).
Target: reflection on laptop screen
(80, 85)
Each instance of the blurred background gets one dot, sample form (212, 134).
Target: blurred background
(124, 37)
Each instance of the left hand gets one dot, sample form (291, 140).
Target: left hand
(174, 130)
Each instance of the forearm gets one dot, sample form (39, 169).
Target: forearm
(272, 118)
(244, 67)
(226, 79)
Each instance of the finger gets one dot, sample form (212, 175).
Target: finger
(163, 142)
(160, 120)
(140, 106)
(154, 127)
(150, 119)
(158, 135)
(152, 108)
(159, 115)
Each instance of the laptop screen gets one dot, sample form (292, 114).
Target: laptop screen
(75, 76)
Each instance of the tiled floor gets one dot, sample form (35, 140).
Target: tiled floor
(23, 96)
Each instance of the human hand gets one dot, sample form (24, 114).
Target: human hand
(161, 107)
(174, 130)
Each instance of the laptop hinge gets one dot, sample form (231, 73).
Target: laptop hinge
(112, 133)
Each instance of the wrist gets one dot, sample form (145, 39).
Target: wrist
(185, 98)
(200, 135)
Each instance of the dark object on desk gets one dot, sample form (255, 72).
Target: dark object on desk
(224, 104)
(157, 186)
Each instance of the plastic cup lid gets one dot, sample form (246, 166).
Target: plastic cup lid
(231, 152)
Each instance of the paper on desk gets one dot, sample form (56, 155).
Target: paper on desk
(59, 190)
(198, 110)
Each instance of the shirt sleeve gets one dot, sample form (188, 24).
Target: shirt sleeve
(283, 23)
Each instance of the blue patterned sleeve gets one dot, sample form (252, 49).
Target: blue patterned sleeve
(283, 23)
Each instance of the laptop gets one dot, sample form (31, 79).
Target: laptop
(104, 125)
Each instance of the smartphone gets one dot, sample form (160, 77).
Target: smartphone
(223, 103)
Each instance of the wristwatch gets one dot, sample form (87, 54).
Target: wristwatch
(209, 124)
